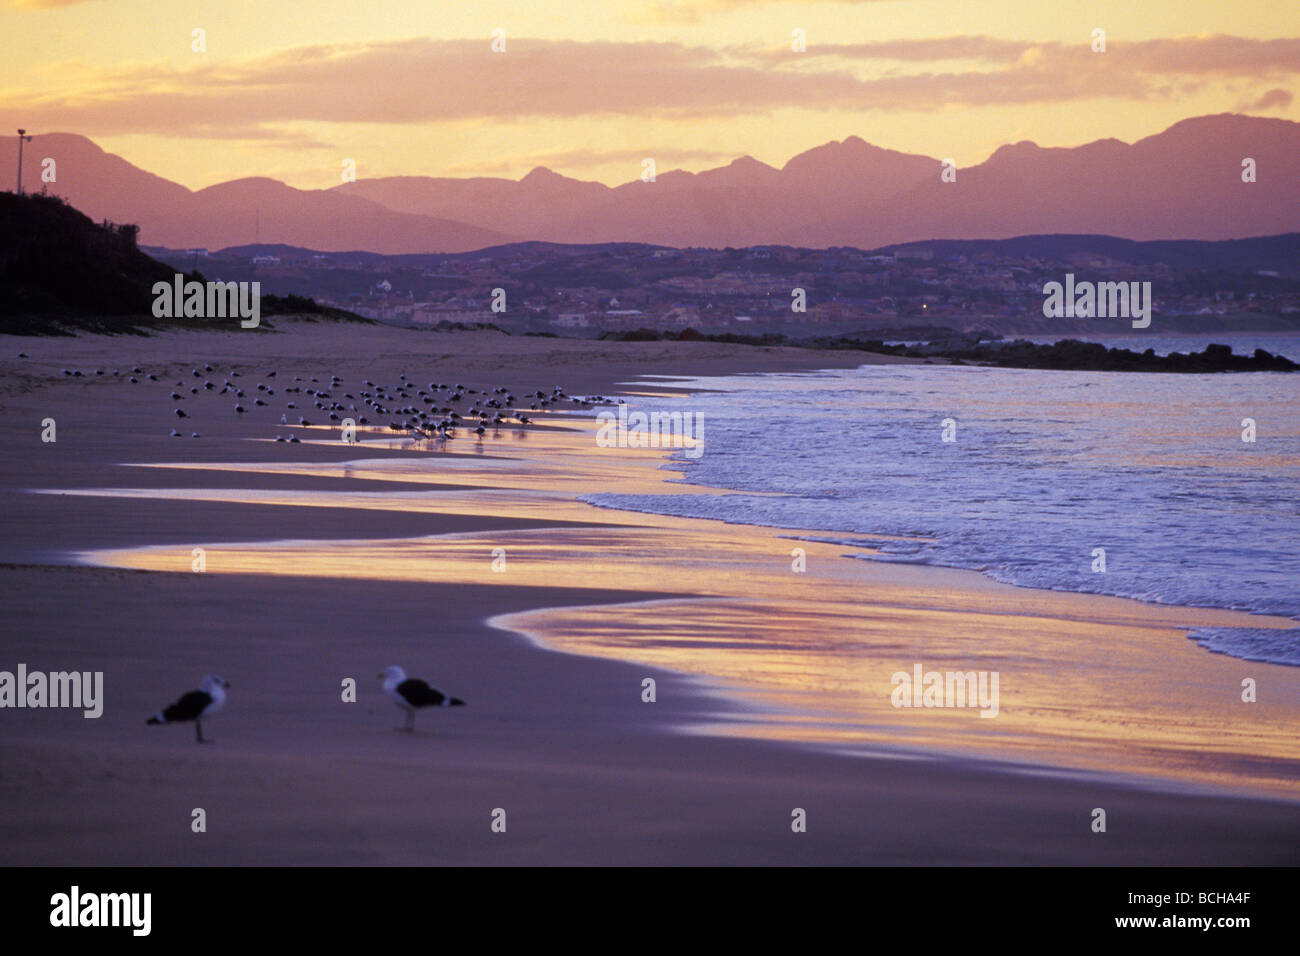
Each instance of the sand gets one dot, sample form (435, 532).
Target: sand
(585, 772)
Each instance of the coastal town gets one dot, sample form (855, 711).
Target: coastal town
(589, 290)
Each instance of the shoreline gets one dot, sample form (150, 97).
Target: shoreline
(547, 745)
(934, 601)
(1000, 764)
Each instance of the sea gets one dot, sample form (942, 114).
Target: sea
(1162, 487)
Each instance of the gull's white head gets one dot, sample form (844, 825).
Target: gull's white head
(212, 683)
(393, 674)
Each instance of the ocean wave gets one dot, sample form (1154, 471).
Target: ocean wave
(1144, 490)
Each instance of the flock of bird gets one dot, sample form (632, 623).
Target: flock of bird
(434, 411)
(408, 693)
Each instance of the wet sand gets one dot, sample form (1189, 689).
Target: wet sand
(586, 772)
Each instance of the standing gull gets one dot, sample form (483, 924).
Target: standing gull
(411, 693)
(195, 705)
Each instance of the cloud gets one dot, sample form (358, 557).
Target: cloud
(41, 4)
(426, 81)
(673, 11)
(457, 81)
(985, 48)
(1200, 55)
(570, 159)
(1273, 99)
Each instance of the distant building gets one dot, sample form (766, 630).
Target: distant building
(433, 314)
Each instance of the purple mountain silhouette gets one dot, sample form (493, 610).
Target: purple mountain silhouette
(1185, 182)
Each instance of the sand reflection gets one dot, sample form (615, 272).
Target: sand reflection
(1090, 682)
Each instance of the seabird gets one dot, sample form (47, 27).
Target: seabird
(195, 705)
(411, 693)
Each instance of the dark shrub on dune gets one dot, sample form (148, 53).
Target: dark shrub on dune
(56, 263)
(61, 272)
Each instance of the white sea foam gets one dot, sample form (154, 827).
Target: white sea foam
(1046, 467)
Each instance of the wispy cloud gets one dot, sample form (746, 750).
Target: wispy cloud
(40, 4)
(423, 81)
(693, 11)
(576, 159)
(1213, 53)
(1273, 99)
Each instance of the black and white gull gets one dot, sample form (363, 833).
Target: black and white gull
(195, 705)
(412, 694)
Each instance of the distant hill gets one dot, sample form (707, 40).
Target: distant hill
(1182, 183)
(61, 271)
(362, 257)
(1280, 254)
(169, 214)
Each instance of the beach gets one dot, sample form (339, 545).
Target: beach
(326, 561)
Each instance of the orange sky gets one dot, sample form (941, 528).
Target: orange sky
(590, 88)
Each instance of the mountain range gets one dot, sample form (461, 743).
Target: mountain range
(1183, 183)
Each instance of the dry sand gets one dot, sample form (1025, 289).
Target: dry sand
(585, 771)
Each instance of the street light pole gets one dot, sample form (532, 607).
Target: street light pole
(22, 138)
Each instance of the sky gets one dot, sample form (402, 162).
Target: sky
(590, 88)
